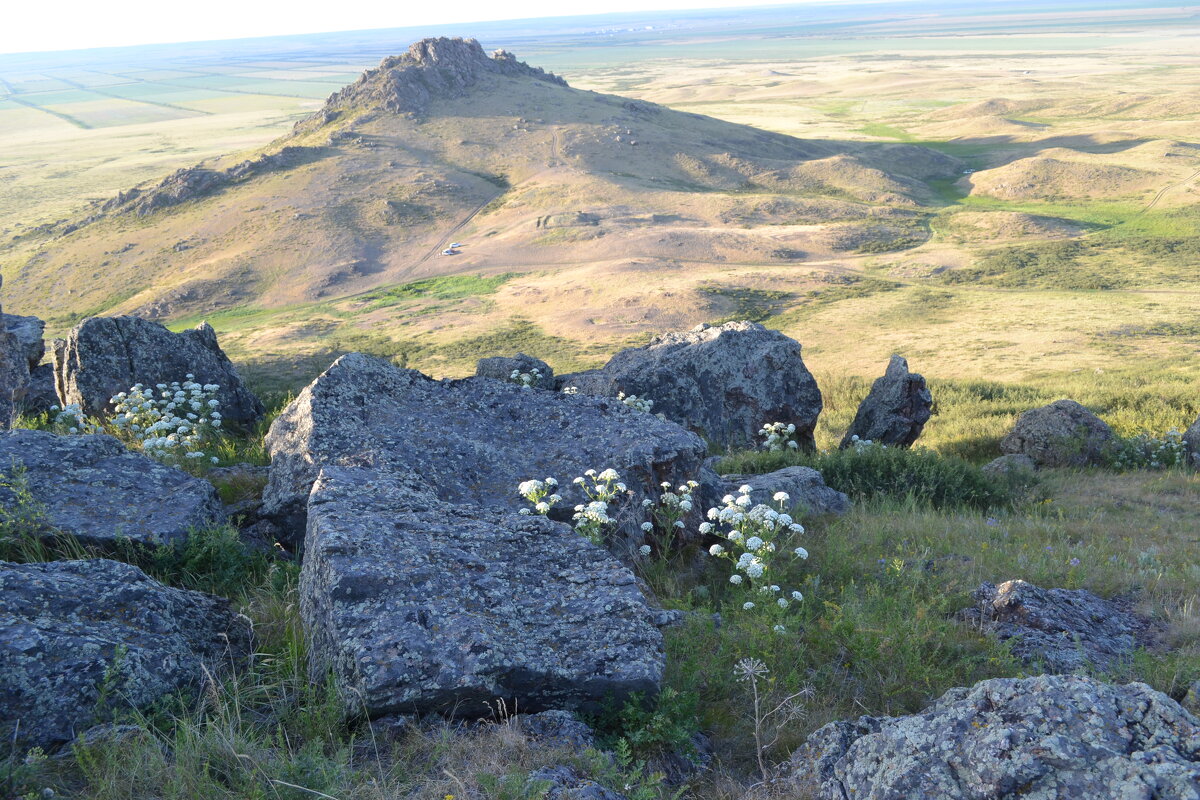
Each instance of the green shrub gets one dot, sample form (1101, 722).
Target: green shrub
(653, 726)
(213, 560)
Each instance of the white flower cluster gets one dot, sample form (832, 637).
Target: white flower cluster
(570, 390)
(526, 380)
(71, 419)
(172, 421)
(779, 436)
(542, 494)
(1150, 452)
(635, 402)
(754, 536)
(865, 445)
(669, 512)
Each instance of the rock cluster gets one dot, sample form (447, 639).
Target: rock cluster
(422, 606)
(70, 629)
(1047, 737)
(103, 356)
(722, 382)
(92, 488)
(1059, 630)
(895, 411)
(1062, 434)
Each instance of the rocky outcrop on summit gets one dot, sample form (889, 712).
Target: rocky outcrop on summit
(1191, 440)
(471, 441)
(723, 382)
(431, 69)
(94, 489)
(895, 411)
(103, 356)
(422, 606)
(1062, 434)
(1060, 630)
(1047, 737)
(804, 486)
(62, 625)
(502, 368)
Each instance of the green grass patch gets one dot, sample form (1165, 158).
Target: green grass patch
(751, 304)
(450, 287)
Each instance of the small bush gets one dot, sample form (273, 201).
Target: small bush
(651, 727)
(1144, 451)
(213, 560)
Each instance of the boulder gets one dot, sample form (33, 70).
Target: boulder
(28, 332)
(555, 729)
(472, 441)
(1012, 464)
(502, 368)
(566, 783)
(895, 410)
(804, 485)
(1060, 630)
(723, 382)
(1051, 736)
(1062, 434)
(14, 377)
(94, 489)
(106, 355)
(69, 628)
(421, 606)
(39, 394)
(1191, 440)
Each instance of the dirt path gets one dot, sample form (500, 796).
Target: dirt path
(1166, 189)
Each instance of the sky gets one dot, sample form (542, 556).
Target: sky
(75, 24)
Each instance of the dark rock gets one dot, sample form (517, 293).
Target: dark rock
(14, 374)
(895, 411)
(1062, 434)
(565, 783)
(557, 729)
(1191, 440)
(28, 331)
(421, 606)
(68, 628)
(472, 441)
(106, 355)
(1012, 464)
(94, 489)
(502, 368)
(804, 485)
(722, 382)
(40, 394)
(1062, 630)
(1045, 737)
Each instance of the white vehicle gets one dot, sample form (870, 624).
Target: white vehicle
(455, 244)
(449, 251)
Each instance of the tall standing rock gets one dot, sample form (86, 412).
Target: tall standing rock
(106, 355)
(723, 382)
(14, 372)
(68, 628)
(471, 441)
(1062, 434)
(895, 411)
(418, 605)
(1191, 441)
(28, 332)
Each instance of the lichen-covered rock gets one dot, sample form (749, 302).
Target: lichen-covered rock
(502, 368)
(1044, 737)
(471, 440)
(1060, 630)
(39, 393)
(804, 486)
(565, 783)
(106, 355)
(1062, 434)
(895, 410)
(28, 332)
(1191, 440)
(68, 628)
(94, 489)
(422, 606)
(723, 382)
(1011, 464)
(14, 377)
(557, 729)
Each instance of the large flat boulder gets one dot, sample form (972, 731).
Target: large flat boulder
(94, 489)
(419, 605)
(471, 441)
(1062, 434)
(723, 382)
(1052, 736)
(1059, 630)
(895, 410)
(106, 355)
(68, 628)
(804, 486)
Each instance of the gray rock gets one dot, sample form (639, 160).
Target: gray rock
(502, 367)
(92, 488)
(28, 331)
(1044, 737)
(1014, 463)
(1062, 434)
(1191, 440)
(722, 382)
(895, 410)
(62, 625)
(558, 729)
(565, 783)
(14, 377)
(471, 441)
(39, 394)
(106, 355)
(421, 606)
(1061, 630)
(804, 485)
